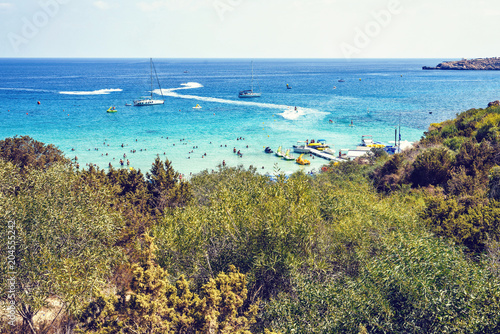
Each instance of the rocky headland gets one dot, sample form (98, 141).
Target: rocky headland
(468, 64)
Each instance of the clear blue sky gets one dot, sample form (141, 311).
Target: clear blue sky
(250, 28)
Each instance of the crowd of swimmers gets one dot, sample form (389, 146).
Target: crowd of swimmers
(124, 161)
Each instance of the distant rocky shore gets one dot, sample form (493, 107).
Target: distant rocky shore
(468, 64)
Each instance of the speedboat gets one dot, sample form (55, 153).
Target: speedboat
(300, 147)
(302, 161)
(197, 107)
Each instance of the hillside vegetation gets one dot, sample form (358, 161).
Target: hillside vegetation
(407, 243)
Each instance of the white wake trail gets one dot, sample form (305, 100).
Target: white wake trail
(289, 112)
(94, 92)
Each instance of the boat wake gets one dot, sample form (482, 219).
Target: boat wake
(292, 113)
(94, 92)
(28, 90)
(289, 112)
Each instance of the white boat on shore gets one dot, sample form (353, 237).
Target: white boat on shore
(149, 101)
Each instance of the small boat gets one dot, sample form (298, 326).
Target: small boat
(268, 150)
(197, 107)
(279, 152)
(288, 156)
(128, 105)
(367, 141)
(319, 145)
(249, 92)
(341, 80)
(288, 87)
(302, 161)
(300, 147)
(149, 101)
(111, 109)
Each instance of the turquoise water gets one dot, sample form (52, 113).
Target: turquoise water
(376, 96)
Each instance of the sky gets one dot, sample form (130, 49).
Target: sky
(250, 28)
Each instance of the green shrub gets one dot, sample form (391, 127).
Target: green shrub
(65, 236)
(415, 284)
(153, 305)
(470, 224)
(431, 167)
(26, 152)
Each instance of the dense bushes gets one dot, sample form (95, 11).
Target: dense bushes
(27, 152)
(153, 305)
(456, 162)
(239, 252)
(432, 166)
(64, 233)
(264, 228)
(415, 284)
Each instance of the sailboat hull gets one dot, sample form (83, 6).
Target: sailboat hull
(248, 94)
(147, 102)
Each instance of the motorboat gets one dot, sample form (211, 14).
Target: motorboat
(301, 147)
(149, 101)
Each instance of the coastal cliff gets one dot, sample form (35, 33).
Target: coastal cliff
(468, 64)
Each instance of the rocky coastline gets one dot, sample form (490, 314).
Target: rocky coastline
(468, 64)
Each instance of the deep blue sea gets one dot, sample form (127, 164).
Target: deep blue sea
(377, 96)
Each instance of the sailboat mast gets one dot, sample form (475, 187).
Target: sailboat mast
(151, 66)
(157, 80)
(252, 78)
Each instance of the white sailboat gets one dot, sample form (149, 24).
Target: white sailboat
(149, 101)
(249, 92)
